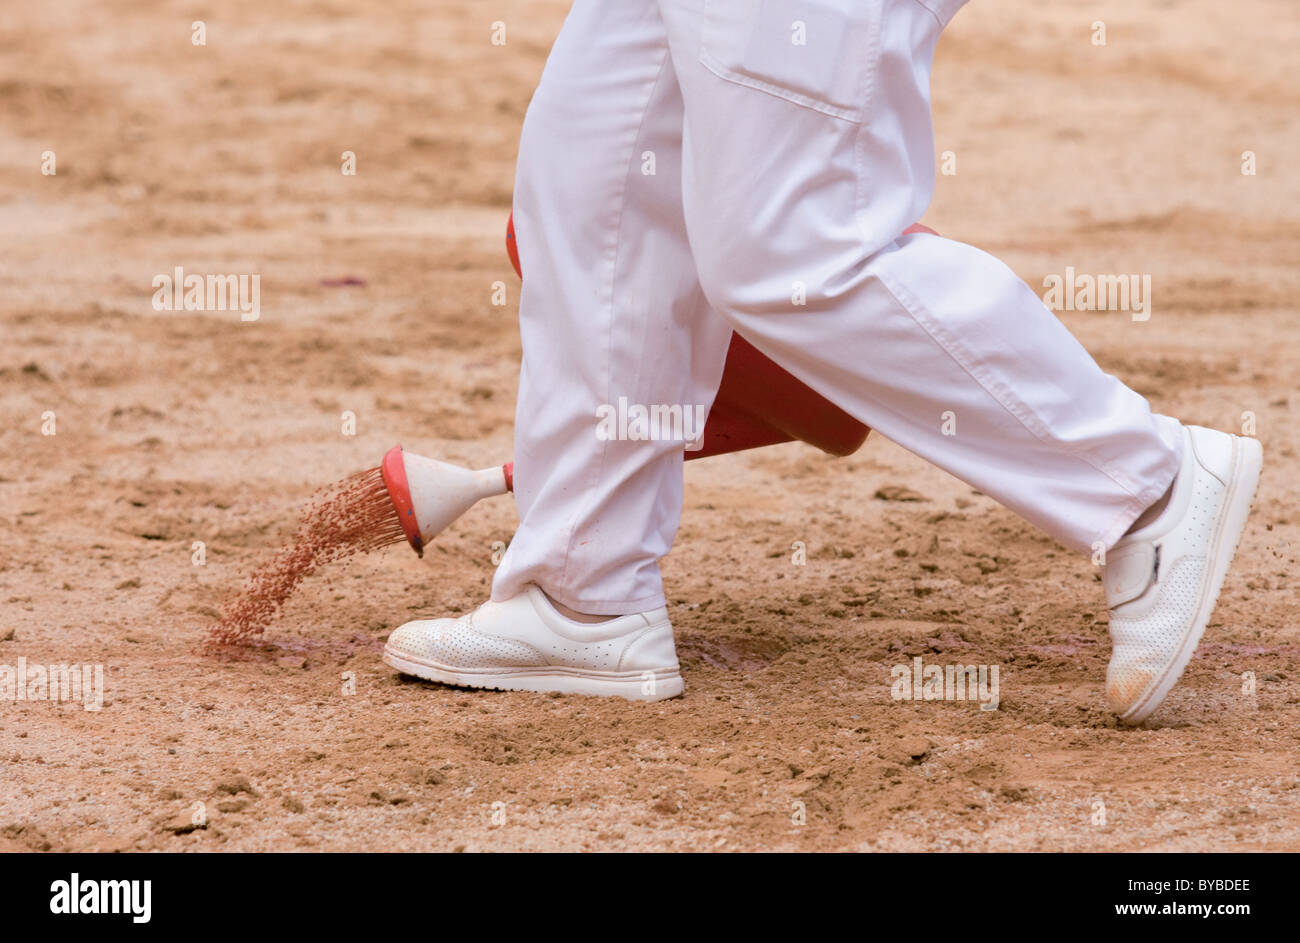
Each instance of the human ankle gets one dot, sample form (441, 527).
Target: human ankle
(573, 614)
(1153, 511)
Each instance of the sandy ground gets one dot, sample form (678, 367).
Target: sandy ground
(176, 427)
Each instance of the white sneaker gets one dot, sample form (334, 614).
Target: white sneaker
(523, 644)
(1162, 581)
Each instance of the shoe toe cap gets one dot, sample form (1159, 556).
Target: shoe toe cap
(423, 638)
(1127, 681)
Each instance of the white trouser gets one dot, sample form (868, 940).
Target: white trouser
(690, 167)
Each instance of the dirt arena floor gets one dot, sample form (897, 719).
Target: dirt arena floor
(173, 427)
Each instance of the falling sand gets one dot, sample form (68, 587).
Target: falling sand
(351, 516)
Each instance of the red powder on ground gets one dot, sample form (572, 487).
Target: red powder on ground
(351, 516)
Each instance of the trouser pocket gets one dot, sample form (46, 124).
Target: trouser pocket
(820, 54)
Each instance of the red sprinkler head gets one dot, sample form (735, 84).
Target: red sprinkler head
(393, 468)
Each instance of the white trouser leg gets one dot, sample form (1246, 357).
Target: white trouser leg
(610, 308)
(801, 165)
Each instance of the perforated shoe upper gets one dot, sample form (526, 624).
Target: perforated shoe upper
(1156, 578)
(527, 632)
(456, 642)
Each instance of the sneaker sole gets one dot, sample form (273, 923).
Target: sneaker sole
(1247, 461)
(658, 685)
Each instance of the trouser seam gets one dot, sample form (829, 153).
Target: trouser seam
(928, 9)
(598, 467)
